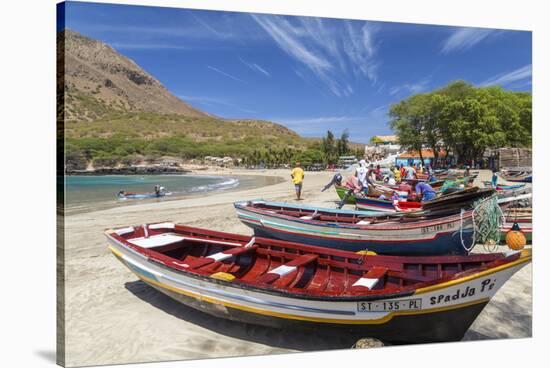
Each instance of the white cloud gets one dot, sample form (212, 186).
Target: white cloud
(465, 38)
(360, 49)
(225, 74)
(334, 55)
(235, 29)
(503, 79)
(262, 70)
(285, 35)
(255, 67)
(379, 109)
(410, 88)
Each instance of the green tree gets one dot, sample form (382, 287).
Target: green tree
(329, 148)
(463, 119)
(343, 143)
(410, 121)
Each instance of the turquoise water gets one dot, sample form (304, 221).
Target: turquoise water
(86, 193)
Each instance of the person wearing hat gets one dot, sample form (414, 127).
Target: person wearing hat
(297, 175)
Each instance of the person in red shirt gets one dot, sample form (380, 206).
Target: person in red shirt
(378, 173)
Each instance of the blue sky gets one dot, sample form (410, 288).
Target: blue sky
(310, 74)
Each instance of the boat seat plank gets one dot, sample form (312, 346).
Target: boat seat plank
(287, 268)
(157, 240)
(172, 238)
(221, 256)
(371, 278)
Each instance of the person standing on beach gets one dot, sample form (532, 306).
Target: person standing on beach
(297, 175)
(362, 175)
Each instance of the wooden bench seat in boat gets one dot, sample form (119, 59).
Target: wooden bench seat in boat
(371, 278)
(157, 240)
(287, 268)
(221, 256)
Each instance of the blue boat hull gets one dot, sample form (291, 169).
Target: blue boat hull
(445, 244)
(528, 179)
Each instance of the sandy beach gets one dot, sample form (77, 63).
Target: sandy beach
(113, 318)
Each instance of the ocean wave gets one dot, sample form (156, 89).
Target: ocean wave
(227, 184)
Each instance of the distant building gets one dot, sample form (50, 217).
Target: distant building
(413, 157)
(346, 161)
(221, 161)
(381, 146)
(506, 157)
(383, 140)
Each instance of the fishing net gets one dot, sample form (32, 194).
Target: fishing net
(487, 218)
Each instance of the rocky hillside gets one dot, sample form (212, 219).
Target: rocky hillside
(99, 81)
(115, 113)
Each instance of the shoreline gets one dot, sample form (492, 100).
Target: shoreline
(250, 182)
(112, 318)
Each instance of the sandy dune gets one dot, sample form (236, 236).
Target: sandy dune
(113, 318)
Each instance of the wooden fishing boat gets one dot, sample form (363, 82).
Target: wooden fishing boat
(385, 205)
(516, 176)
(502, 187)
(358, 230)
(128, 195)
(443, 205)
(456, 201)
(294, 286)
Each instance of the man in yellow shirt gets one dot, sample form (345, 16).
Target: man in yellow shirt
(397, 174)
(297, 175)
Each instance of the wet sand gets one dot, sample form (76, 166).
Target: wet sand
(113, 318)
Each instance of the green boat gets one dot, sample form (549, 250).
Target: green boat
(342, 192)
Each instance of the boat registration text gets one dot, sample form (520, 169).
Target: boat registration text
(386, 306)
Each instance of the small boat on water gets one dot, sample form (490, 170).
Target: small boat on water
(159, 192)
(358, 230)
(142, 195)
(294, 286)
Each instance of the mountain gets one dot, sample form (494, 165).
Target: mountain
(98, 81)
(114, 111)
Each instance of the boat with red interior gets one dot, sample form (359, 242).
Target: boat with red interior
(290, 285)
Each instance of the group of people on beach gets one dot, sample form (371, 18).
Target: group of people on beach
(368, 175)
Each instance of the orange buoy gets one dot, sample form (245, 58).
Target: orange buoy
(515, 238)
